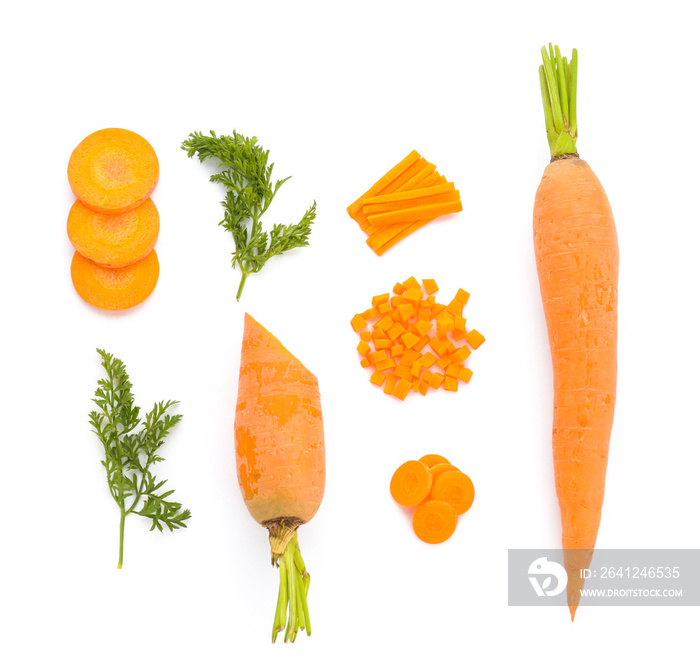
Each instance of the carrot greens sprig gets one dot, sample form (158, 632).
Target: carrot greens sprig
(558, 78)
(247, 177)
(129, 454)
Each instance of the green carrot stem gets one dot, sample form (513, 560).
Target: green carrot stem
(558, 79)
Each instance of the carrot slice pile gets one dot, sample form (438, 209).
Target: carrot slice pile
(404, 199)
(413, 343)
(439, 491)
(113, 224)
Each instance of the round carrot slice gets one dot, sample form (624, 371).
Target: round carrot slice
(114, 240)
(114, 289)
(455, 488)
(113, 170)
(431, 460)
(440, 468)
(434, 521)
(411, 483)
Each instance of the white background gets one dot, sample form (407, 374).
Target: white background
(338, 95)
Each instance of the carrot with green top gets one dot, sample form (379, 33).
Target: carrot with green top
(576, 252)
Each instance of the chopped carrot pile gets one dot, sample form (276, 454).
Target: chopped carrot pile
(413, 343)
(404, 199)
(439, 491)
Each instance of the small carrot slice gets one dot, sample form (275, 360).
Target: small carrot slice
(113, 240)
(431, 460)
(454, 487)
(411, 483)
(440, 468)
(114, 289)
(434, 521)
(113, 170)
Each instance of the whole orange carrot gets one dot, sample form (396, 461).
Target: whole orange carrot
(576, 251)
(280, 459)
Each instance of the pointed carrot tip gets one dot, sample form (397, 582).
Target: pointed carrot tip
(572, 610)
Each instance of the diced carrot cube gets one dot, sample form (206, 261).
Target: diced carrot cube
(364, 362)
(444, 362)
(363, 347)
(449, 347)
(455, 307)
(358, 322)
(384, 307)
(465, 374)
(427, 360)
(365, 335)
(424, 314)
(452, 370)
(403, 371)
(378, 378)
(409, 339)
(436, 309)
(416, 384)
(377, 356)
(460, 323)
(451, 384)
(409, 356)
(406, 310)
(435, 380)
(389, 363)
(411, 282)
(428, 302)
(475, 339)
(462, 296)
(422, 343)
(390, 383)
(438, 345)
(430, 286)
(395, 331)
(401, 388)
(397, 350)
(380, 344)
(370, 313)
(458, 334)
(424, 385)
(413, 295)
(422, 327)
(416, 368)
(461, 354)
(399, 288)
(378, 334)
(380, 299)
(384, 323)
(396, 301)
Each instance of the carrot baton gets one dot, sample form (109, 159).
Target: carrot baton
(576, 252)
(280, 460)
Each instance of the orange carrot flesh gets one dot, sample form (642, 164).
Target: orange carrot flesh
(431, 460)
(434, 521)
(113, 170)
(411, 483)
(405, 204)
(416, 213)
(114, 240)
(440, 468)
(280, 460)
(114, 289)
(455, 488)
(577, 257)
(421, 192)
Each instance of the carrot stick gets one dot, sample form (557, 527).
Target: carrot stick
(114, 240)
(415, 213)
(280, 459)
(114, 289)
(576, 252)
(113, 170)
(403, 195)
(385, 180)
(390, 206)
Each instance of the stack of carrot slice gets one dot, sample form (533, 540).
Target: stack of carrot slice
(404, 199)
(113, 225)
(395, 331)
(439, 491)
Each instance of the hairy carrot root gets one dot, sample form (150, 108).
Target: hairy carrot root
(114, 240)
(114, 289)
(113, 170)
